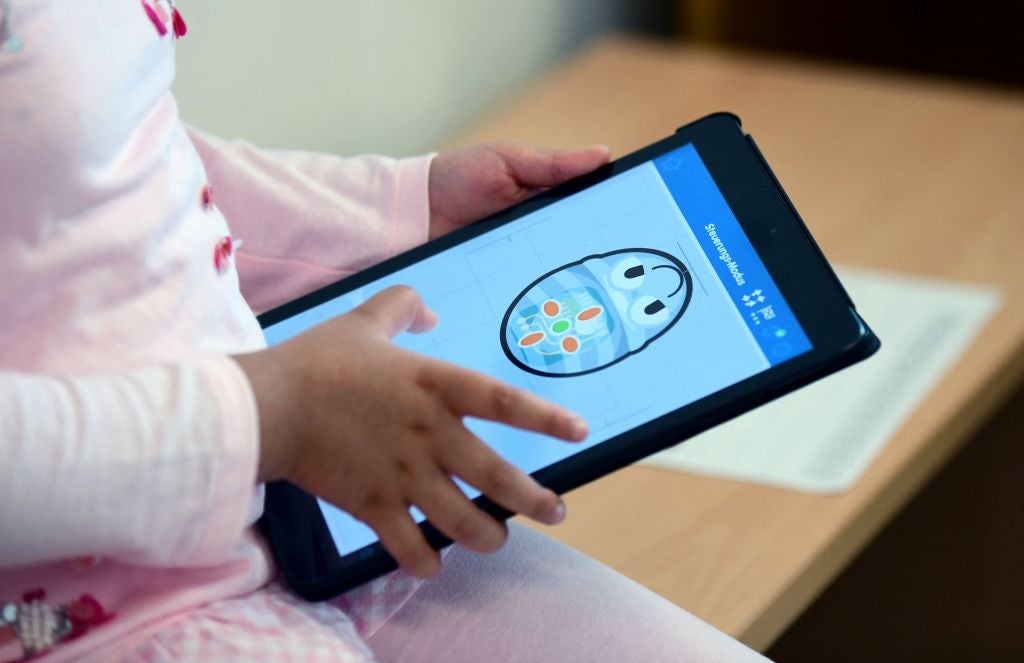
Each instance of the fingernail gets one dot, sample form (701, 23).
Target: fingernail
(578, 427)
(558, 514)
(600, 146)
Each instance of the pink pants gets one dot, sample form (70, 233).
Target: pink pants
(535, 600)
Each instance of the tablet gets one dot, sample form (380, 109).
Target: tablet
(663, 294)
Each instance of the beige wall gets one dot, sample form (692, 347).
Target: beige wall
(390, 76)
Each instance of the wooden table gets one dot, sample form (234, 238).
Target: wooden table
(888, 171)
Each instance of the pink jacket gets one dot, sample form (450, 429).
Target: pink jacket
(131, 251)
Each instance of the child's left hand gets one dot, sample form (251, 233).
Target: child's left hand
(470, 183)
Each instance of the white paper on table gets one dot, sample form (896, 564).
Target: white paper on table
(822, 437)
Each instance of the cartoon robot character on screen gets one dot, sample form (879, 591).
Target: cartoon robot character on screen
(594, 312)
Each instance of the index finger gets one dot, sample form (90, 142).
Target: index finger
(473, 394)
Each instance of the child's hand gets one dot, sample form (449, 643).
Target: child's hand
(468, 184)
(373, 428)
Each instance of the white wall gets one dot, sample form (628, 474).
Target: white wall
(389, 76)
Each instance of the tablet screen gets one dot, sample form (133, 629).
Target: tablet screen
(623, 302)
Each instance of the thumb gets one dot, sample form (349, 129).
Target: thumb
(537, 167)
(397, 309)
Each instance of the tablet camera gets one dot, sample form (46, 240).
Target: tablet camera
(592, 313)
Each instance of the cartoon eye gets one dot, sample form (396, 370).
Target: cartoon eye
(628, 274)
(648, 311)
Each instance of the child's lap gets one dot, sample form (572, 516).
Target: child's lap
(274, 624)
(268, 625)
(534, 600)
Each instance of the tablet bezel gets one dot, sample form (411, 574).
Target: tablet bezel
(293, 521)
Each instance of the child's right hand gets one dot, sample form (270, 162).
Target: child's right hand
(374, 429)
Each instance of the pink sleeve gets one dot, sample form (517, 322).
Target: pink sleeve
(155, 466)
(306, 219)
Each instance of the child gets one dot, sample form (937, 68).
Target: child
(140, 412)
